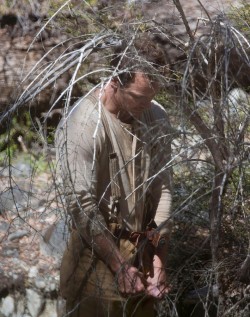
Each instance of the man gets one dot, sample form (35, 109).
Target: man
(114, 153)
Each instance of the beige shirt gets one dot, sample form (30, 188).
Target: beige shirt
(144, 173)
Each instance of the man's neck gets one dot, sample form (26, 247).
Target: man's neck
(110, 104)
(125, 117)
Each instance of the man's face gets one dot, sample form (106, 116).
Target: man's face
(137, 95)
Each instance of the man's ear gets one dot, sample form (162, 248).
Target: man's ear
(115, 83)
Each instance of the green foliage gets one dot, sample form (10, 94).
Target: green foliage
(7, 149)
(23, 7)
(6, 5)
(239, 190)
(85, 18)
(38, 164)
(77, 18)
(241, 17)
(192, 191)
(22, 134)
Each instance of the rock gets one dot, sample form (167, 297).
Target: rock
(33, 272)
(40, 283)
(52, 287)
(20, 307)
(18, 235)
(237, 96)
(35, 302)
(20, 264)
(61, 306)
(11, 253)
(13, 199)
(54, 240)
(50, 309)
(4, 226)
(8, 306)
(22, 169)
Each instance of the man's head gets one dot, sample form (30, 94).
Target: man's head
(139, 66)
(135, 96)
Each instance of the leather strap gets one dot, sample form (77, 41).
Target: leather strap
(113, 169)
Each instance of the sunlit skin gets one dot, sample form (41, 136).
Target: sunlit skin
(127, 103)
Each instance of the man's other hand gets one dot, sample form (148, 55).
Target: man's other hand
(158, 284)
(129, 281)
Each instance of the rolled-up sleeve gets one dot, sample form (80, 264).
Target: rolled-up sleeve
(162, 180)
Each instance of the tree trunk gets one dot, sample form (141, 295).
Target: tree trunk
(216, 212)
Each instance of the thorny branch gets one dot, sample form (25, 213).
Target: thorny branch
(56, 68)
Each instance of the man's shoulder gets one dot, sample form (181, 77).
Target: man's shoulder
(84, 109)
(156, 117)
(158, 110)
(83, 114)
(155, 113)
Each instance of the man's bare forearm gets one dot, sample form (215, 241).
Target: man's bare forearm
(106, 249)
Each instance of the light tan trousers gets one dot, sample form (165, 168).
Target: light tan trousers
(94, 307)
(91, 291)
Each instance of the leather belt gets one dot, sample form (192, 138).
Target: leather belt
(136, 237)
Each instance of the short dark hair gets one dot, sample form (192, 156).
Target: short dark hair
(141, 53)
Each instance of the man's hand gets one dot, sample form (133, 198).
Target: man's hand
(129, 280)
(158, 284)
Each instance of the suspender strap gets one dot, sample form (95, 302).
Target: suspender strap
(113, 167)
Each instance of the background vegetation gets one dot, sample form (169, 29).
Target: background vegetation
(206, 94)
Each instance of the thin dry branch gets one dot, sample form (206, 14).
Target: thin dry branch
(184, 19)
(56, 68)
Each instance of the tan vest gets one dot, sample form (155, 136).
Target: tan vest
(81, 272)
